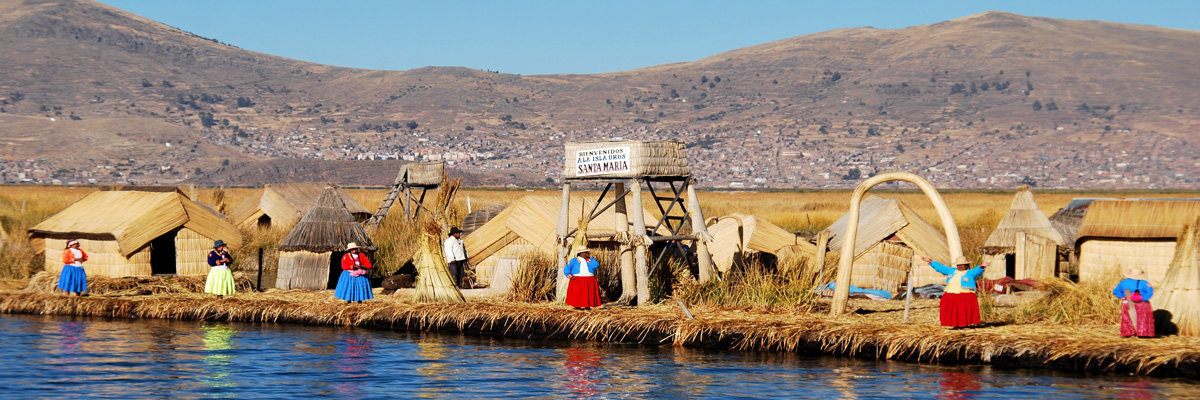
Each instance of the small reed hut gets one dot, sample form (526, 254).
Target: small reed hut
(135, 233)
(281, 206)
(1116, 234)
(891, 238)
(528, 225)
(739, 236)
(1179, 293)
(1024, 245)
(310, 255)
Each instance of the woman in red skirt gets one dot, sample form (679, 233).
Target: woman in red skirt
(1137, 316)
(582, 291)
(959, 307)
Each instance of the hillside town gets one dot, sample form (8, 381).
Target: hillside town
(735, 159)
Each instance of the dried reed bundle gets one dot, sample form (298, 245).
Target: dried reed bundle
(534, 280)
(1180, 292)
(434, 283)
(1067, 302)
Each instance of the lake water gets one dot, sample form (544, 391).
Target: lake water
(52, 357)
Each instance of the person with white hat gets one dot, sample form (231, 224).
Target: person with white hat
(73, 279)
(1138, 319)
(583, 290)
(220, 279)
(959, 307)
(353, 284)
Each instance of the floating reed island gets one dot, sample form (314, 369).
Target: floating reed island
(873, 330)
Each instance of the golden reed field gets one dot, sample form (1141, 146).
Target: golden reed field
(804, 212)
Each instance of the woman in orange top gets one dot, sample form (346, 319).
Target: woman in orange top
(73, 279)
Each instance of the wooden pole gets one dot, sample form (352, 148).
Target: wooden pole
(625, 251)
(641, 267)
(703, 258)
(846, 263)
(560, 294)
(909, 288)
(407, 206)
(819, 257)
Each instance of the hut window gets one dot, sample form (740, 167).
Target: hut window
(264, 222)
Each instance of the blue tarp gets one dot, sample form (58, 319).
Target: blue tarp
(886, 295)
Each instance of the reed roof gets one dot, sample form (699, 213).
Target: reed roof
(1180, 290)
(423, 174)
(880, 218)
(480, 216)
(534, 219)
(740, 233)
(1022, 216)
(286, 203)
(134, 218)
(1138, 219)
(328, 226)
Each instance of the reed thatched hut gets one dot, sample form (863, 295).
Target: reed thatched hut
(135, 233)
(738, 236)
(1024, 245)
(281, 206)
(529, 225)
(1179, 293)
(891, 239)
(1121, 233)
(310, 255)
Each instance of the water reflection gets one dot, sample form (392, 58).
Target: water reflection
(583, 371)
(218, 346)
(958, 385)
(354, 363)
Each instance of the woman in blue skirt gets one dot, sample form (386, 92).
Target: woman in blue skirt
(73, 279)
(353, 284)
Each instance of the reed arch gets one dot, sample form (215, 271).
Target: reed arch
(846, 262)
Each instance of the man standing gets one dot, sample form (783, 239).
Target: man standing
(456, 255)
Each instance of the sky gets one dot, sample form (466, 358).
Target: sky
(578, 37)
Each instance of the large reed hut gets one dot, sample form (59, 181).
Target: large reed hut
(135, 233)
(529, 225)
(1024, 245)
(1121, 233)
(740, 236)
(310, 255)
(281, 206)
(891, 238)
(1179, 293)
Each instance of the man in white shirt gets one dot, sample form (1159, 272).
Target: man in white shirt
(456, 255)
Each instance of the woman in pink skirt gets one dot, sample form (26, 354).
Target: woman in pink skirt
(1136, 319)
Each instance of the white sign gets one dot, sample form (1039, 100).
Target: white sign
(602, 161)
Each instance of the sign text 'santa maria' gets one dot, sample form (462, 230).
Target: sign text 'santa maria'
(602, 161)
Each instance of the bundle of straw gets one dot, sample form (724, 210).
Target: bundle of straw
(434, 283)
(1180, 292)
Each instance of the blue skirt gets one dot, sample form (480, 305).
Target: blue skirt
(353, 288)
(72, 279)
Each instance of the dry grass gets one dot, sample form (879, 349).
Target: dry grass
(1066, 302)
(45, 282)
(535, 280)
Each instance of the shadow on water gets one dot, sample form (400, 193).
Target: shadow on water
(82, 357)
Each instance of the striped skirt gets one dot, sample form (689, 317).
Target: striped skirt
(72, 279)
(353, 288)
(1144, 326)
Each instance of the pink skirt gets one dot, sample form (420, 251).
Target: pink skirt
(959, 309)
(583, 292)
(1145, 320)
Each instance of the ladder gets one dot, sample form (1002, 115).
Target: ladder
(398, 187)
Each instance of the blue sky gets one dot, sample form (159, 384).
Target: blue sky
(567, 36)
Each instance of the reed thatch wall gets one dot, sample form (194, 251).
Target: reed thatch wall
(191, 252)
(303, 270)
(666, 158)
(285, 204)
(424, 174)
(1123, 233)
(1179, 293)
(1102, 259)
(884, 266)
(741, 233)
(104, 258)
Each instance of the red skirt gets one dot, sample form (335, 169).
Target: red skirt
(1144, 327)
(583, 292)
(959, 309)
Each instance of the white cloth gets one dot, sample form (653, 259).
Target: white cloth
(355, 257)
(454, 250)
(77, 254)
(583, 268)
(222, 266)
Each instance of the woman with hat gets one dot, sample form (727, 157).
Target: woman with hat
(73, 279)
(353, 284)
(1139, 319)
(959, 306)
(583, 291)
(220, 280)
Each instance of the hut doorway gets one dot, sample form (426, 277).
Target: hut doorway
(335, 268)
(1010, 265)
(162, 254)
(264, 222)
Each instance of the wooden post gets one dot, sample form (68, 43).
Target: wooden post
(564, 247)
(819, 257)
(703, 258)
(625, 251)
(641, 268)
(908, 289)
(407, 206)
(846, 263)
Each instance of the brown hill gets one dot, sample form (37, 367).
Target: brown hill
(126, 84)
